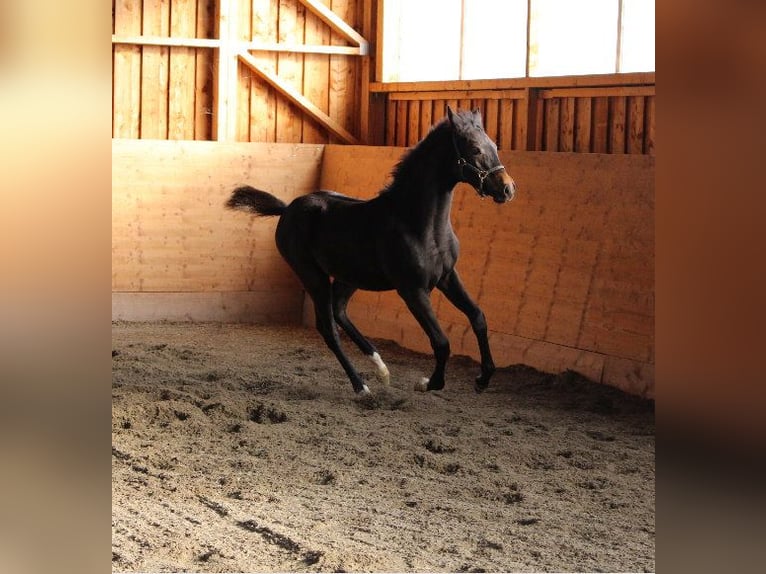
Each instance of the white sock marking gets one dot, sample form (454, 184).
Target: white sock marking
(381, 371)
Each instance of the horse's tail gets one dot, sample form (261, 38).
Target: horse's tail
(246, 198)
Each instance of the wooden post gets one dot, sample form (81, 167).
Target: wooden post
(225, 126)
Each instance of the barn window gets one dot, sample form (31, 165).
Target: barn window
(472, 39)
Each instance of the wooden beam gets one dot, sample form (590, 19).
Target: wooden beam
(299, 100)
(460, 95)
(337, 24)
(632, 79)
(253, 45)
(225, 126)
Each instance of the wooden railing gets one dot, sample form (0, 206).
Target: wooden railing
(612, 113)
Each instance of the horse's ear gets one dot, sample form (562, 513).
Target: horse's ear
(451, 115)
(476, 115)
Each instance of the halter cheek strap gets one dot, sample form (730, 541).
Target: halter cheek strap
(480, 173)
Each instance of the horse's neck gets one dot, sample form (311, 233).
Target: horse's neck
(426, 191)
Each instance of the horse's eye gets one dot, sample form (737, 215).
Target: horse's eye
(475, 150)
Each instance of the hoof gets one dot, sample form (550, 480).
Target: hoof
(480, 386)
(363, 392)
(422, 385)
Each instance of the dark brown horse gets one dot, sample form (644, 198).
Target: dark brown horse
(402, 239)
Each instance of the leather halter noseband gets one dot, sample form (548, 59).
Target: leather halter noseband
(482, 174)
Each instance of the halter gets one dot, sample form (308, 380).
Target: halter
(482, 174)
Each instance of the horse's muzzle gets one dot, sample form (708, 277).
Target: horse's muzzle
(506, 194)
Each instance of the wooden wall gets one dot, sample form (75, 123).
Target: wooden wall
(564, 273)
(173, 92)
(611, 113)
(178, 254)
(169, 92)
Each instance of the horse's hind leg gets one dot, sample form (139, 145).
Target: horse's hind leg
(341, 293)
(319, 288)
(453, 289)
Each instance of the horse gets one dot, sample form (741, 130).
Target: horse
(401, 240)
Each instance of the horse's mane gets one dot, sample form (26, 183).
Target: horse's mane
(411, 162)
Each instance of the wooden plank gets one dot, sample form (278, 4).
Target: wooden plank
(338, 17)
(506, 125)
(263, 98)
(401, 124)
(459, 95)
(566, 130)
(289, 72)
(299, 100)
(126, 89)
(649, 128)
(183, 18)
(155, 71)
(552, 124)
(203, 98)
(635, 78)
(617, 125)
(390, 122)
(583, 122)
(283, 306)
(600, 131)
(366, 73)
(597, 92)
(426, 118)
(491, 119)
(413, 122)
(242, 30)
(316, 72)
(226, 73)
(635, 139)
(343, 71)
(155, 40)
(254, 45)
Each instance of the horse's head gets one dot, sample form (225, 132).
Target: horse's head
(477, 160)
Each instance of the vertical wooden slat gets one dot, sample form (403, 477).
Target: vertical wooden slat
(413, 122)
(582, 125)
(401, 123)
(316, 71)
(506, 125)
(439, 111)
(290, 71)
(154, 71)
(491, 113)
(367, 19)
(127, 71)
(183, 23)
(390, 122)
(245, 79)
(552, 123)
(203, 99)
(426, 117)
(528, 134)
(600, 132)
(343, 73)
(635, 143)
(617, 124)
(263, 99)
(649, 118)
(567, 121)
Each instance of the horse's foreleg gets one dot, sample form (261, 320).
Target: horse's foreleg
(419, 304)
(341, 293)
(453, 289)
